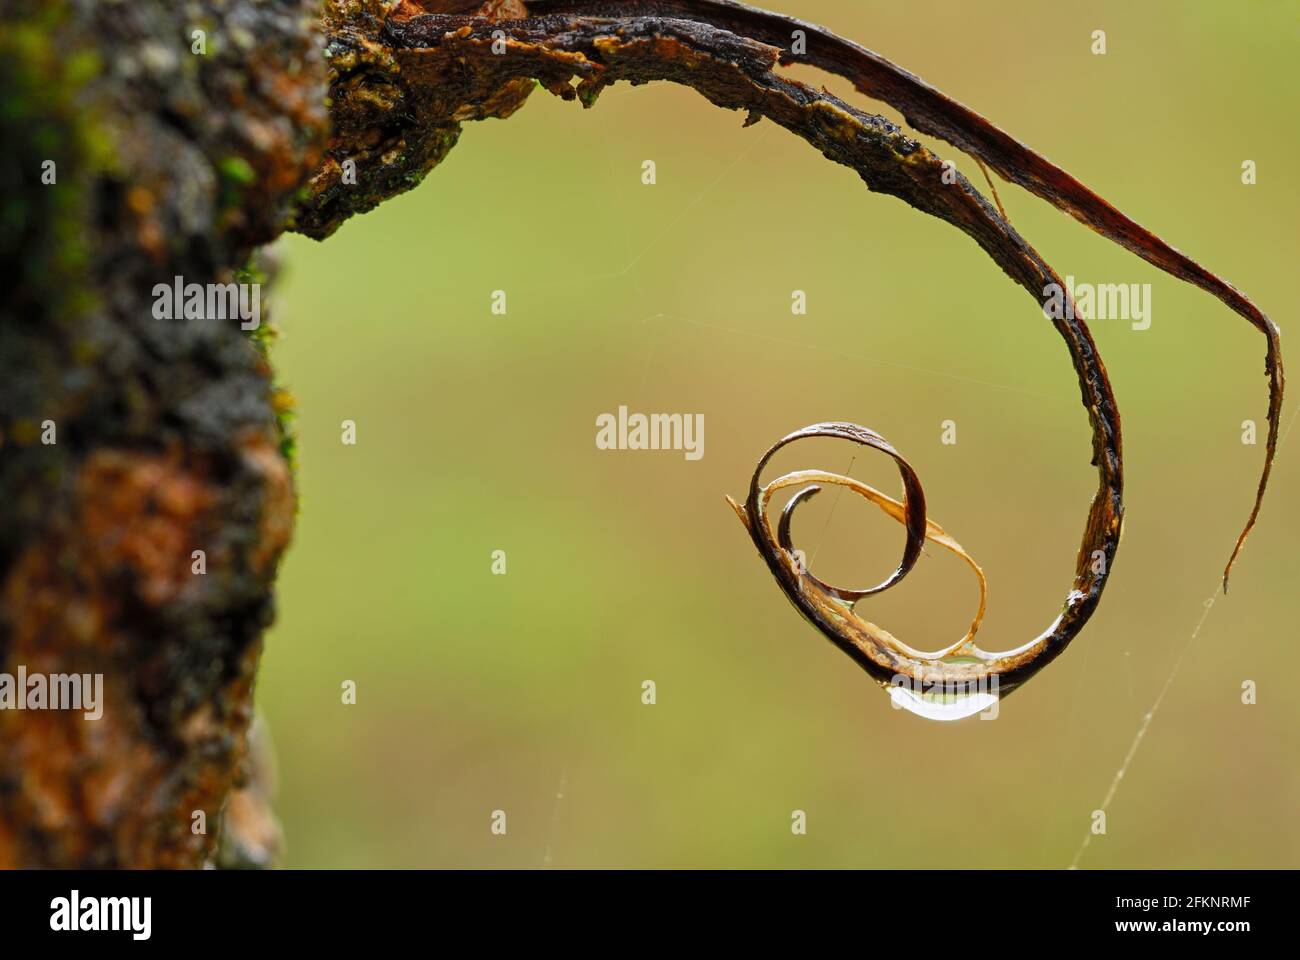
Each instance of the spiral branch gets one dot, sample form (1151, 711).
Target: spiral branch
(416, 67)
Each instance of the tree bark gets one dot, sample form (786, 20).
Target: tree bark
(147, 141)
(128, 442)
(145, 461)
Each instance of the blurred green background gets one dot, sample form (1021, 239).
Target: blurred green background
(476, 433)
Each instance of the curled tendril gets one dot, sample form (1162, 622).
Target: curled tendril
(425, 69)
(836, 603)
(831, 608)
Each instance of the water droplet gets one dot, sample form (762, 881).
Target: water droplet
(948, 701)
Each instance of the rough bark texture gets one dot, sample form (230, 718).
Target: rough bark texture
(127, 442)
(174, 155)
(167, 432)
(389, 126)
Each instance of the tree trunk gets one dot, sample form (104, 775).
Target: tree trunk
(145, 453)
(143, 141)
